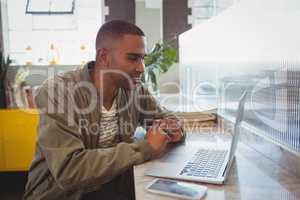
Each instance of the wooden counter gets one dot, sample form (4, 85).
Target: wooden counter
(252, 176)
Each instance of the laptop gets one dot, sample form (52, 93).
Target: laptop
(199, 164)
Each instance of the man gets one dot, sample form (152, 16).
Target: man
(85, 146)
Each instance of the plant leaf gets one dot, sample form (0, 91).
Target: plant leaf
(160, 58)
(153, 79)
(143, 77)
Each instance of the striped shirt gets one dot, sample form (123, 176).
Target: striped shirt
(108, 126)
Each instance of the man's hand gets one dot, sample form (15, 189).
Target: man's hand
(172, 127)
(157, 138)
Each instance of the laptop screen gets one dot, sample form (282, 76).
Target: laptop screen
(239, 119)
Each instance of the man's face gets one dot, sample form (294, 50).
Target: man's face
(127, 59)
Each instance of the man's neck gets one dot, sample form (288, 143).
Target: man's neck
(104, 86)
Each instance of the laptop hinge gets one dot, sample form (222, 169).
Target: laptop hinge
(228, 166)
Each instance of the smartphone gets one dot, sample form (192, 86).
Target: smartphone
(177, 189)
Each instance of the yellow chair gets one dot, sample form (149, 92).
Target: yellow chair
(17, 138)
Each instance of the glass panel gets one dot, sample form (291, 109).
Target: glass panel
(272, 109)
(198, 85)
(38, 6)
(203, 12)
(61, 6)
(49, 6)
(203, 3)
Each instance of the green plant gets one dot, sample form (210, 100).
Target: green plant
(5, 62)
(21, 75)
(159, 60)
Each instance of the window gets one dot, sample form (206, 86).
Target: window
(50, 6)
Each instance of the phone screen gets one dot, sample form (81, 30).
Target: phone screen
(179, 188)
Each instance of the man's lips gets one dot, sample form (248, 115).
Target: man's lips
(136, 80)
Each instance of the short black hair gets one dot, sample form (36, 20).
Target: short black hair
(116, 29)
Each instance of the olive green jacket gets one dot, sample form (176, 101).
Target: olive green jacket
(68, 160)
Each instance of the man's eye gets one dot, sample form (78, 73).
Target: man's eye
(134, 57)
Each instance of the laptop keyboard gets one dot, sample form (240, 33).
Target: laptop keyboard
(205, 163)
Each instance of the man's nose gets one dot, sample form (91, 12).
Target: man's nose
(140, 67)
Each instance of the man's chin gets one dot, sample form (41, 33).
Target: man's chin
(131, 86)
(128, 87)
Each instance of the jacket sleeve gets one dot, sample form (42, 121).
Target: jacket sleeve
(70, 163)
(151, 110)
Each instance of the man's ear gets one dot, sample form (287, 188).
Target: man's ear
(102, 57)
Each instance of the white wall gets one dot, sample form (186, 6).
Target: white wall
(149, 20)
(66, 32)
(250, 35)
(251, 30)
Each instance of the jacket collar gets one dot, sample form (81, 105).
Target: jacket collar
(85, 71)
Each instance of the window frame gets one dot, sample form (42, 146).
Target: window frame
(27, 11)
